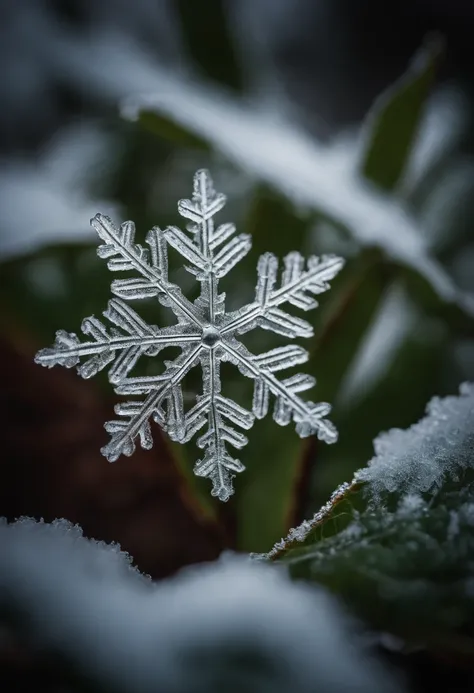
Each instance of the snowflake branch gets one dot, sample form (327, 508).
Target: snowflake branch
(68, 350)
(295, 284)
(203, 186)
(308, 416)
(207, 266)
(217, 464)
(134, 257)
(212, 466)
(123, 432)
(52, 357)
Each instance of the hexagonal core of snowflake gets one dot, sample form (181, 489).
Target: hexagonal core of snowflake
(210, 336)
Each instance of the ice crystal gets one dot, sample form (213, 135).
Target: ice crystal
(420, 458)
(204, 332)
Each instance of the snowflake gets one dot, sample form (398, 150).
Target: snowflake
(205, 334)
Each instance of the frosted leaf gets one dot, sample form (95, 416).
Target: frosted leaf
(411, 565)
(407, 462)
(204, 332)
(420, 458)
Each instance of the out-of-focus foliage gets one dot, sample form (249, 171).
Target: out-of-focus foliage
(396, 119)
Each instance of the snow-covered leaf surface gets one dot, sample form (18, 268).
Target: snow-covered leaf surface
(204, 332)
(232, 625)
(420, 458)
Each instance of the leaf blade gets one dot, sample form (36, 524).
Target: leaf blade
(395, 117)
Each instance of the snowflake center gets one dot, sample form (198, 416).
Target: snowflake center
(210, 336)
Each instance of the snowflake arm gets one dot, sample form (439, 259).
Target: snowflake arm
(309, 417)
(209, 266)
(139, 339)
(204, 333)
(205, 264)
(218, 413)
(297, 284)
(123, 255)
(137, 414)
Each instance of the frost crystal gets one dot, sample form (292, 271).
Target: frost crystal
(204, 332)
(420, 458)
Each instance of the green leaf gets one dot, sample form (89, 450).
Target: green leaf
(406, 571)
(56, 286)
(456, 314)
(399, 554)
(402, 560)
(274, 223)
(268, 498)
(393, 122)
(345, 319)
(331, 518)
(208, 39)
(342, 327)
(171, 131)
